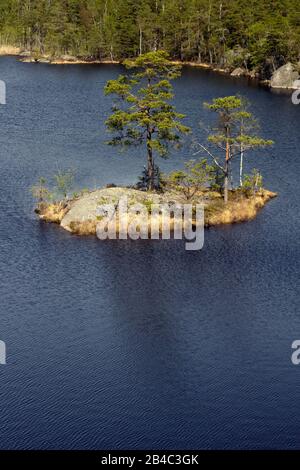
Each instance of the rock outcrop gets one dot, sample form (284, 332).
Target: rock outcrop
(239, 72)
(86, 208)
(285, 77)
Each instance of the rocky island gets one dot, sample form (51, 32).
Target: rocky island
(143, 115)
(80, 214)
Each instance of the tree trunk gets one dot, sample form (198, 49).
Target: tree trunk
(227, 159)
(150, 167)
(141, 41)
(241, 153)
(226, 181)
(241, 165)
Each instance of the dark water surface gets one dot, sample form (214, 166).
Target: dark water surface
(142, 344)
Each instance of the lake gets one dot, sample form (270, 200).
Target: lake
(140, 344)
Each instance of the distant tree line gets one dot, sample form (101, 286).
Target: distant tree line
(254, 34)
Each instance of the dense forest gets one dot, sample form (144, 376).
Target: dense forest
(255, 34)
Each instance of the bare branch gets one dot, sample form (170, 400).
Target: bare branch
(210, 154)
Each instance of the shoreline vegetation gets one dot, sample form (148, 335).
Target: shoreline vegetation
(239, 37)
(239, 72)
(78, 215)
(27, 57)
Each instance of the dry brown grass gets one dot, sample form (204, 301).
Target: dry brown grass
(53, 212)
(239, 208)
(86, 227)
(9, 50)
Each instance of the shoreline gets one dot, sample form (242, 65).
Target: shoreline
(27, 57)
(80, 61)
(237, 73)
(9, 50)
(80, 214)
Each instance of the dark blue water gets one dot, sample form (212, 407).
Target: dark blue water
(141, 344)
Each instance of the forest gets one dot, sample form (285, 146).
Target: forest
(254, 34)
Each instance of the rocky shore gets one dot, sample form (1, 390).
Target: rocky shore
(81, 214)
(283, 78)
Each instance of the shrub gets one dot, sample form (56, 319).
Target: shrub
(148, 204)
(64, 180)
(195, 177)
(40, 191)
(252, 183)
(144, 180)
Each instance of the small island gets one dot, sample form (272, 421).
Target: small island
(143, 114)
(80, 214)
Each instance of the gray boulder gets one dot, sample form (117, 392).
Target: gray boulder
(238, 72)
(285, 77)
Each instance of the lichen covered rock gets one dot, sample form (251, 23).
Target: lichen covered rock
(285, 77)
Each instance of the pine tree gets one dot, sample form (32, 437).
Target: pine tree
(143, 113)
(232, 136)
